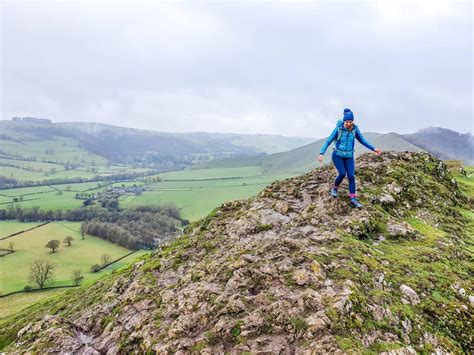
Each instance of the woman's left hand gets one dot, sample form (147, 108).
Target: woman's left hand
(377, 151)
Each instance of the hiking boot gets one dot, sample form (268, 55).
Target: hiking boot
(334, 192)
(355, 202)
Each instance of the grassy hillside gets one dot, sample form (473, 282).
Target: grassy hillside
(32, 142)
(10, 227)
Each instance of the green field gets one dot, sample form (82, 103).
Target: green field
(194, 202)
(30, 165)
(80, 187)
(14, 173)
(215, 173)
(60, 172)
(30, 246)
(196, 198)
(24, 191)
(10, 227)
(16, 302)
(47, 201)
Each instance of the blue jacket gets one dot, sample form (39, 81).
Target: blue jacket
(344, 146)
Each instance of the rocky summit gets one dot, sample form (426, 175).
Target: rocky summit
(291, 270)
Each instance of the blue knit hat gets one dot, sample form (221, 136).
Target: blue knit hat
(348, 115)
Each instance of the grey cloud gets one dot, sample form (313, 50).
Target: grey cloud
(251, 67)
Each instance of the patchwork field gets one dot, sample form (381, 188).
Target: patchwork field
(29, 246)
(194, 192)
(196, 198)
(215, 173)
(32, 157)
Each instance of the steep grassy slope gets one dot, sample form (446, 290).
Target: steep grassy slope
(289, 270)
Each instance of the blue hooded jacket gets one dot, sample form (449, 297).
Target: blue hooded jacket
(344, 146)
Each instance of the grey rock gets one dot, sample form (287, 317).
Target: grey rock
(409, 295)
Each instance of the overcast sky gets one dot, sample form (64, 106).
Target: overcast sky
(244, 67)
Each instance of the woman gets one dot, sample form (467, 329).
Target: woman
(343, 154)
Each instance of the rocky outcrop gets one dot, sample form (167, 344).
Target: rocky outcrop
(288, 271)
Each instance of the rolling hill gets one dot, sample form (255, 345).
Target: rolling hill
(135, 146)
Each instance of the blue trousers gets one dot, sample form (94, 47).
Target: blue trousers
(345, 166)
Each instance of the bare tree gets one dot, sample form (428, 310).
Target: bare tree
(68, 240)
(41, 272)
(83, 229)
(53, 245)
(105, 259)
(77, 277)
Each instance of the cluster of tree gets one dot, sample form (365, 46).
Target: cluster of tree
(140, 227)
(33, 214)
(83, 196)
(36, 214)
(54, 244)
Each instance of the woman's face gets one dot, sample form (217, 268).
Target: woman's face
(348, 124)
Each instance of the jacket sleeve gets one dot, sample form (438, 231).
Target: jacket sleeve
(362, 140)
(330, 139)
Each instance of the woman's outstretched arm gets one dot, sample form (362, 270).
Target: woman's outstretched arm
(363, 141)
(330, 139)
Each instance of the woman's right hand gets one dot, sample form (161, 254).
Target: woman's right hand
(320, 158)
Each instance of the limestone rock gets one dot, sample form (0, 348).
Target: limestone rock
(409, 295)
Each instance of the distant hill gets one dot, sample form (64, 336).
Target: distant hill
(137, 146)
(444, 143)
